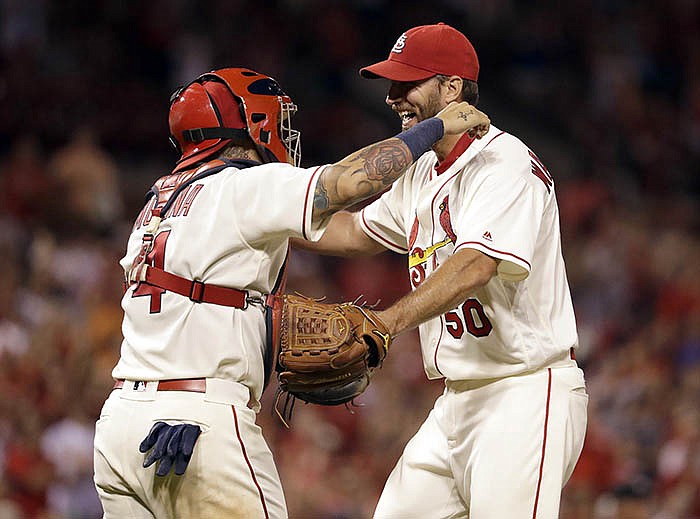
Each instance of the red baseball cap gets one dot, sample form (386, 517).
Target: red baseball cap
(425, 51)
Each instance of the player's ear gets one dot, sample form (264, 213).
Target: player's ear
(453, 88)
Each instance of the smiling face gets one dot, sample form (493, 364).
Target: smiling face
(416, 101)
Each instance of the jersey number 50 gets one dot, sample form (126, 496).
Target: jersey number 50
(473, 315)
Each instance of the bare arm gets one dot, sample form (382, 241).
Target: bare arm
(453, 282)
(359, 176)
(372, 169)
(343, 237)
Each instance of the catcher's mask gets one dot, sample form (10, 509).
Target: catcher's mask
(232, 103)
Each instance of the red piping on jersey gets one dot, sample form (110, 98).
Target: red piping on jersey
(456, 152)
(440, 168)
(462, 144)
(494, 138)
(250, 467)
(437, 346)
(306, 203)
(495, 250)
(380, 237)
(459, 148)
(544, 442)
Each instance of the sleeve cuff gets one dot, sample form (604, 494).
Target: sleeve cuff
(376, 236)
(511, 268)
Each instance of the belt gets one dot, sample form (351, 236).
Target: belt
(195, 385)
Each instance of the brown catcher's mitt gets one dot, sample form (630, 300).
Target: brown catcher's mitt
(328, 351)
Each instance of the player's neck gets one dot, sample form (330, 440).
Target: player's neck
(444, 146)
(241, 152)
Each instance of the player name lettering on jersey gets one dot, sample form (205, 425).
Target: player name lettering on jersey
(181, 206)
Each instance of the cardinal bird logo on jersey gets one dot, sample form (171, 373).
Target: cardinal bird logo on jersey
(418, 257)
(445, 222)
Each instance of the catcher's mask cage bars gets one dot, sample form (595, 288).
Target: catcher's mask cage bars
(290, 137)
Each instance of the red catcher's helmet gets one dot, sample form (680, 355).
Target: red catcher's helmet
(226, 103)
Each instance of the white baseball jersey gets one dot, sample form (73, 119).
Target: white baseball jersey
(493, 195)
(223, 227)
(229, 229)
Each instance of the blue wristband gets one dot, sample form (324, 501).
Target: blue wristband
(422, 136)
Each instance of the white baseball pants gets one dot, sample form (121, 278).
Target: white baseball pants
(231, 473)
(492, 449)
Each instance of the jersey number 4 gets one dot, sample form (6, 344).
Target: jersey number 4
(473, 315)
(155, 258)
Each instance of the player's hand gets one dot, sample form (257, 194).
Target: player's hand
(462, 117)
(171, 444)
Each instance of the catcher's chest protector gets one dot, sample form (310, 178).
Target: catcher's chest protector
(161, 201)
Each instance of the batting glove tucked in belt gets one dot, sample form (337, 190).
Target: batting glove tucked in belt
(171, 444)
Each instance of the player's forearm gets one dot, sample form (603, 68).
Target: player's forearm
(452, 283)
(360, 175)
(372, 169)
(343, 237)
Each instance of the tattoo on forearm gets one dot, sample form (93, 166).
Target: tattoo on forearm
(360, 175)
(385, 161)
(320, 196)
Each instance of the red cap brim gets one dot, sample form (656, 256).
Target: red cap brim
(395, 71)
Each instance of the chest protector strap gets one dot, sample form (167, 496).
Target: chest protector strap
(273, 318)
(166, 190)
(195, 290)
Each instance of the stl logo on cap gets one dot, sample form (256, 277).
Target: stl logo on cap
(434, 49)
(400, 44)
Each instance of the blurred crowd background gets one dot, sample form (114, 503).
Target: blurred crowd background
(606, 91)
